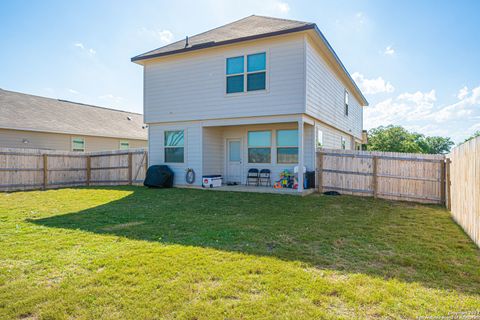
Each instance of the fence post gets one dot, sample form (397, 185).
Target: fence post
(320, 171)
(45, 171)
(374, 176)
(448, 184)
(443, 183)
(89, 169)
(146, 163)
(130, 168)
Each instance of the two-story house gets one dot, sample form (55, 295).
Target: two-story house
(260, 92)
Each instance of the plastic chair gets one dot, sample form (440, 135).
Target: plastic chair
(252, 175)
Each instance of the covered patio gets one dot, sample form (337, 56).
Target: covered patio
(278, 144)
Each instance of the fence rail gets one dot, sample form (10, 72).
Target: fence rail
(389, 175)
(464, 189)
(26, 169)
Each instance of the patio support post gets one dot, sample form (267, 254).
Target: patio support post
(301, 153)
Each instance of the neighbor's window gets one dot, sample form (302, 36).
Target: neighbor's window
(346, 102)
(319, 138)
(344, 143)
(253, 79)
(259, 146)
(78, 144)
(174, 147)
(124, 145)
(287, 146)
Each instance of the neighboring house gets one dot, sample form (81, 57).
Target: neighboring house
(28, 121)
(258, 93)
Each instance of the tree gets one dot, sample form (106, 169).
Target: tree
(398, 139)
(473, 136)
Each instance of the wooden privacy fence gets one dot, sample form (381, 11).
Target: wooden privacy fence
(388, 175)
(25, 169)
(464, 190)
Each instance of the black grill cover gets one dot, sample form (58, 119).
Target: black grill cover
(159, 176)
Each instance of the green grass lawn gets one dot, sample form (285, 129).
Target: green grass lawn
(136, 253)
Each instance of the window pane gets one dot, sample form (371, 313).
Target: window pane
(174, 138)
(287, 138)
(78, 144)
(256, 62)
(287, 155)
(234, 150)
(124, 145)
(256, 81)
(234, 65)
(173, 154)
(259, 138)
(259, 155)
(234, 84)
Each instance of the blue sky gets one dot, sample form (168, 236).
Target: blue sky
(418, 62)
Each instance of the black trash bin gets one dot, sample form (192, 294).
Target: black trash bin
(310, 179)
(159, 176)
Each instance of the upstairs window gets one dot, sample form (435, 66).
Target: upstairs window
(235, 74)
(346, 102)
(174, 146)
(287, 146)
(259, 146)
(124, 145)
(247, 74)
(78, 144)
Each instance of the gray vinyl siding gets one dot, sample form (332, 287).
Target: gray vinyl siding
(213, 151)
(192, 149)
(325, 95)
(332, 138)
(192, 86)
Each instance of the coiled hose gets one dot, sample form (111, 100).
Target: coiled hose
(189, 175)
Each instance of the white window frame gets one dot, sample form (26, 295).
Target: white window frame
(270, 147)
(84, 144)
(165, 146)
(246, 73)
(285, 147)
(123, 142)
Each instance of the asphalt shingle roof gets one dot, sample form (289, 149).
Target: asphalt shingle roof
(33, 113)
(240, 30)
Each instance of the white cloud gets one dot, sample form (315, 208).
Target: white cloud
(283, 7)
(72, 91)
(89, 51)
(79, 45)
(462, 93)
(405, 107)
(372, 86)
(162, 36)
(389, 51)
(420, 109)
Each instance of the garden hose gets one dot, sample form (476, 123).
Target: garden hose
(189, 175)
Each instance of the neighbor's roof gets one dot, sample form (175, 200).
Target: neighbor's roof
(249, 28)
(21, 111)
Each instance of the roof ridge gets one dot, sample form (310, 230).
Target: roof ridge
(282, 19)
(73, 102)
